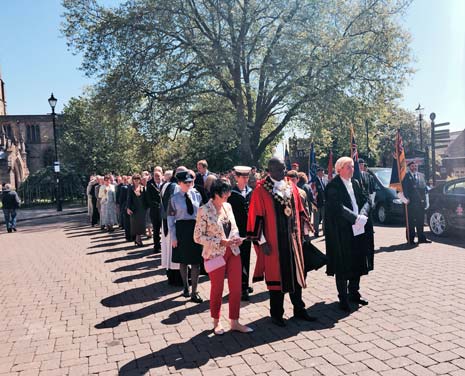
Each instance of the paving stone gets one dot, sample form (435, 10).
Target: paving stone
(83, 302)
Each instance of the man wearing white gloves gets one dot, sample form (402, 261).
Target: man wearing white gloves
(349, 233)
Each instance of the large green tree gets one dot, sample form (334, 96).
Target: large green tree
(267, 58)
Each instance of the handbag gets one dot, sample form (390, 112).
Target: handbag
(214, 263)
(314, 259)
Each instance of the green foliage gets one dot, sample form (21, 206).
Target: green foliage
(270, 60)
(97, 140)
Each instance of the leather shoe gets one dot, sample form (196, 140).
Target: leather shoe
(245, 296)
(278, 321)
(250, 290)
(426, 241)
(186, 293)
(303, 315)
(195, 297)
(359, 301)
(344, 306)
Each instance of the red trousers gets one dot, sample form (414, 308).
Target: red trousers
(233, 269)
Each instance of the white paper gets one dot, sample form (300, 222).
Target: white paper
(358, 230)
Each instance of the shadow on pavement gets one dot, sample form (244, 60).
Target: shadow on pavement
(131, 278)
(134, 255)
(137, 295)
(456, 238)
(111, 250)
(205, 346)
(143, 265)
(152, 309)
(108, 244)
(396, 247)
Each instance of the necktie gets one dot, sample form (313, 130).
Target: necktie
(190, 207)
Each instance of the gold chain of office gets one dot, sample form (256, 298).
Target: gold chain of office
(284, 201)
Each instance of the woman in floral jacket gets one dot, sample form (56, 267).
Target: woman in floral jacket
(216, 230)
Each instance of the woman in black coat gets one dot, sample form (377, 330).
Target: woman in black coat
(349, 233)
(136, 208)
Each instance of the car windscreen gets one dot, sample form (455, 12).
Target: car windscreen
(384, 176)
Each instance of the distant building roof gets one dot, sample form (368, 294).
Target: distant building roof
(25, 118)
(456, 147)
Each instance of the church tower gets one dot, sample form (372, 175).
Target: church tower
(2, 96)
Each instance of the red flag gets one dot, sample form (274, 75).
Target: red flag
(330, 165)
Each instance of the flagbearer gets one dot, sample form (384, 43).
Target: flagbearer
(415, 192)
(240, 200)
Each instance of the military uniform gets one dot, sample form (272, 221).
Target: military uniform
(414, 189)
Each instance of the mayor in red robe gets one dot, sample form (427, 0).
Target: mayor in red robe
(275, 223)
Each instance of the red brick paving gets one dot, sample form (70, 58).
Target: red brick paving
(76, 301)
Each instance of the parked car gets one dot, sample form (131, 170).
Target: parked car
(446, 207)
(388, 207)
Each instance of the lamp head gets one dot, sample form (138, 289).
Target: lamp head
(52, 101)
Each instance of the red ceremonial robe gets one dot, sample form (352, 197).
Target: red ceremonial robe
(264, 215)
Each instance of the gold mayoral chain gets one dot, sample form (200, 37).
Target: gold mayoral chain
(284, 201)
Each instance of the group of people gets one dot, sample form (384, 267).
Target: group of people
(206, 222)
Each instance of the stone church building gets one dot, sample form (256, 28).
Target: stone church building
(26, 143)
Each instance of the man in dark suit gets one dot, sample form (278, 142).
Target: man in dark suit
(415, 190)
(349, 233)
(367, 181)
(154, 202)
(122, 201)
(318, 215)
(200, 178)
(240, 200)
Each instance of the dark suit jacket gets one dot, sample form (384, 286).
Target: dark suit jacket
(240, 207)
(308, 190)
(153, 194)
(320, 197)
(199, 184)
(123, 195)
(367, 182)
(415, 191)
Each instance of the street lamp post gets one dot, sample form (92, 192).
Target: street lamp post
(419, 109)
(52, 101)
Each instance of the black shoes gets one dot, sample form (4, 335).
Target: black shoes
(278, 321)
(186, 293)
(245, 296)
(195, 297)
(425, 241)
(303, 315)
(14, 229)
(9, 230)
(359, 301)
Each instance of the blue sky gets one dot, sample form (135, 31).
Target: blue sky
(35, 61)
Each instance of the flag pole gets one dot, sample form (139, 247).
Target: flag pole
(407, 228)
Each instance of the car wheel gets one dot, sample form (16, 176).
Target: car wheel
(438, 223)
(381, 214)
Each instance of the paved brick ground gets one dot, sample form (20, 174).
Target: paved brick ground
(75, 301)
